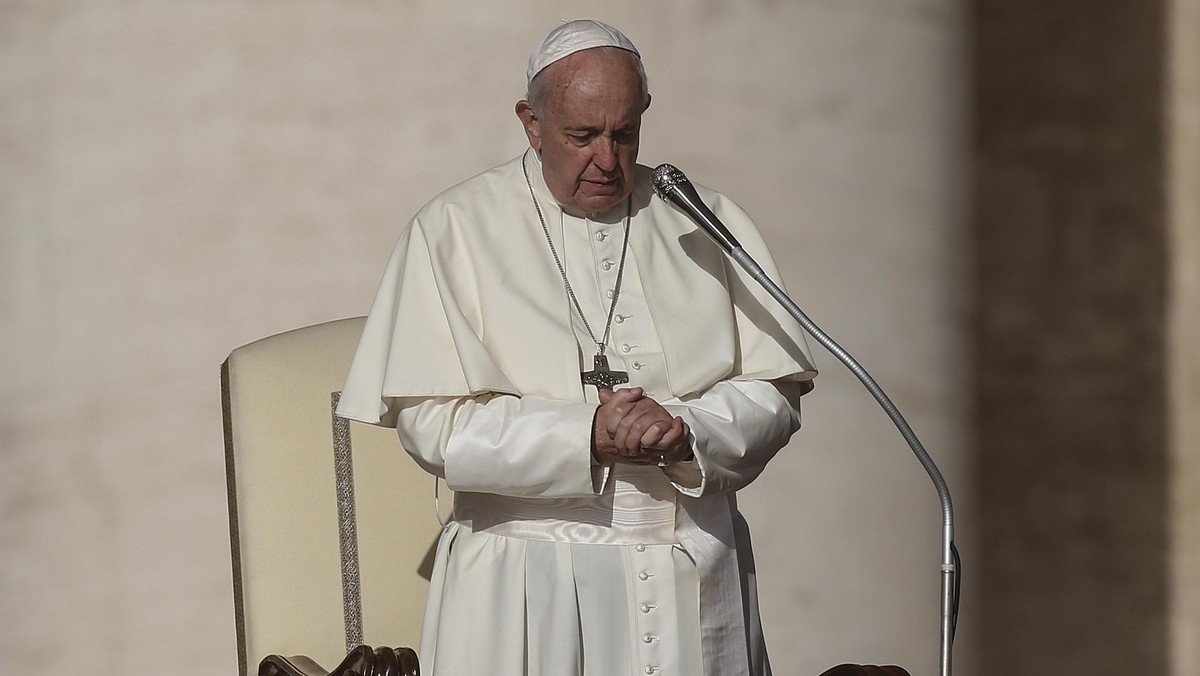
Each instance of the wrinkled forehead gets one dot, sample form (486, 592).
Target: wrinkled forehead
(605, 79)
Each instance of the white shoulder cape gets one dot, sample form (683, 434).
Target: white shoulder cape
(471, 301)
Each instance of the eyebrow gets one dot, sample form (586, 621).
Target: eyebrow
(595, 130)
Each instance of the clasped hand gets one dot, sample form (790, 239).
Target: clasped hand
(634, 429)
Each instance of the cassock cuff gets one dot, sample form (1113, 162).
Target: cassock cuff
(526, 447)
(687, 476)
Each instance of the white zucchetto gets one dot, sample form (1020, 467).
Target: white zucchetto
(575, 36)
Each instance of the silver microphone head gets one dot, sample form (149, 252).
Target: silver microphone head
(666, 176)
(674, 188)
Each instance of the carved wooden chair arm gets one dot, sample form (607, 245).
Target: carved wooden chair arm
(362, 661)
(865, 670)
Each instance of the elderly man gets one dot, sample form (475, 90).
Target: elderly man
(595, 381)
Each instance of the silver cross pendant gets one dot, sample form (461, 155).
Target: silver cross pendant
(603, 377)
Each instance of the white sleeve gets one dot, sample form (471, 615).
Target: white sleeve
(505, 445)
(737, 427)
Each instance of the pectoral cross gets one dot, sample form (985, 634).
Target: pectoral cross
(603, 377)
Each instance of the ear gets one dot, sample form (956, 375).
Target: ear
(531, 123)
(648, 100)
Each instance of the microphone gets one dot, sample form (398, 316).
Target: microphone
(672, 186)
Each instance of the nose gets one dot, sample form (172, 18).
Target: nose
(606, 154)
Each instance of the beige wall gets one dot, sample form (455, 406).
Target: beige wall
(1183, 120)
(179, 178)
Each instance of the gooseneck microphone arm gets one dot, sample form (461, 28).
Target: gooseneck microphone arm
(672, 186)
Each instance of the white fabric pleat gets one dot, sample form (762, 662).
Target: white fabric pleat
(605, 641)
(486, 620)
(552, 632)
(509, 607)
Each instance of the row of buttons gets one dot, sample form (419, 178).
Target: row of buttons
(619, 318)
(646, 608)
(608, 264)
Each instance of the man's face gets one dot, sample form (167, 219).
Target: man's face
(588, 132)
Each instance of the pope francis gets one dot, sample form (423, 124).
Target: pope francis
(595, 381)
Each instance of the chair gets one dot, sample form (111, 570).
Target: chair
(320, 509)
(865, 670)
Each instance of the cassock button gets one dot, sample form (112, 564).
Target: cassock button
(640, 548)
(647, 607)
(647, 638)
(601, 236)
(643, 576)
(607, 265)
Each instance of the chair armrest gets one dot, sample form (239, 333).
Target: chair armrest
(864, 670)
(362, 661)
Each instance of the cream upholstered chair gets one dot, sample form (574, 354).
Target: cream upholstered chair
(331, 523)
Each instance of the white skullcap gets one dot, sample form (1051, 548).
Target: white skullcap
(575, 36)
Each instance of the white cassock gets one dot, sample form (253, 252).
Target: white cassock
(554, 565)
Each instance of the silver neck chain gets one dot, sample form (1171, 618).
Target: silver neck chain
(600, 344)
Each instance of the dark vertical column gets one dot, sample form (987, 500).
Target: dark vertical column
(1072, 270)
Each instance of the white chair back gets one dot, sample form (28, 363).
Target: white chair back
(332, 525)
